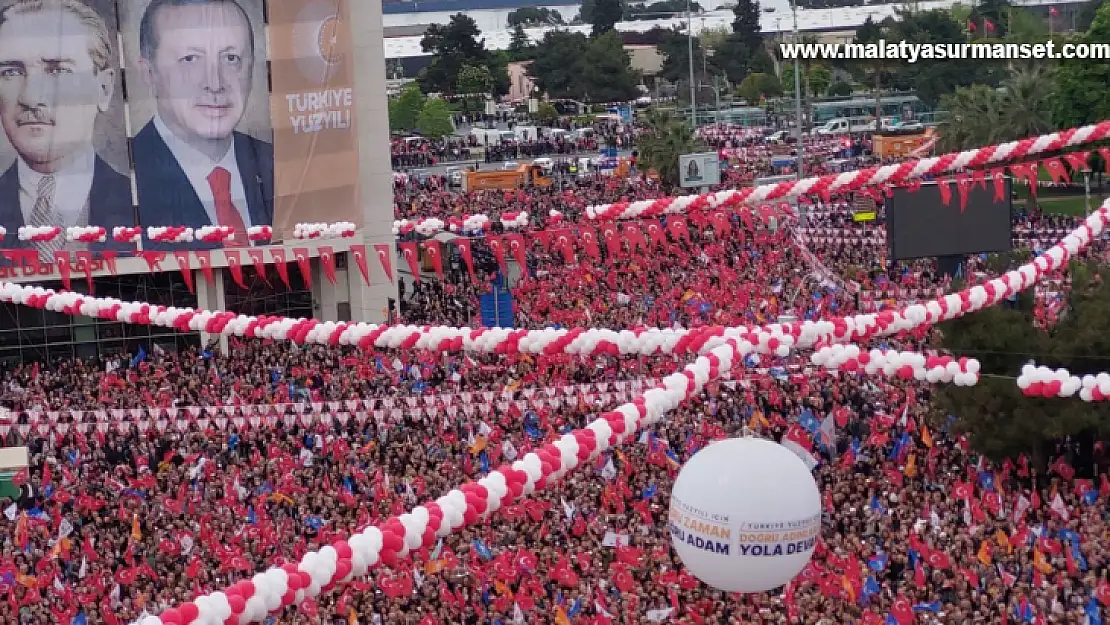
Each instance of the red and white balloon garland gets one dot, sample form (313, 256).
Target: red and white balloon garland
(847, 181)
(320, 571)
(1042, 381)
(905, 365)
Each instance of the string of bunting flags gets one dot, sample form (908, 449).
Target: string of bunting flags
(887, 175)
(449, 406)
(250, 601)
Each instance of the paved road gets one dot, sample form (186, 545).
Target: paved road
(442, 168)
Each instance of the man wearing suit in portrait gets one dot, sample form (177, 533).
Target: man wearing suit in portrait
(191, 167)
(55, 79)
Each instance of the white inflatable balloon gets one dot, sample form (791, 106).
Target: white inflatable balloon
(745, 515)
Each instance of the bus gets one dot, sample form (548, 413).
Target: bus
(899, 108)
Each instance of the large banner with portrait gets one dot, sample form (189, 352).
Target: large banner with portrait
(63, 158)
(312, 103)
(198, 98)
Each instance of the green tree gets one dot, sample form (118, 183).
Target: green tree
(473, 80)
(558, 63)
(607, 74)
(757, 86)
(546, 112)
(676, 57)
(521, 47)
(534, 16)
(665, 139)
(818, 79)
(452, 46)
(745, 24)
(1081, 92)
(839, 89)
(1001, 421)
(602, 73)
(435, 119)
(932, 79)
(980, 115)
(404, 109)
(604, 15)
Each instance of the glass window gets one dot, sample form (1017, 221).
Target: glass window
(9, 339)
(59, 351)
(33, 336)
(8, 318)
(30, 317)
(84, 333)
(86, 350)
(109, 330)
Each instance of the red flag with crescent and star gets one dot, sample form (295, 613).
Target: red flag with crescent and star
(234, 266)
(327, 262)
(408, 251)
(301, 254)
(382, 250)
(359, 254)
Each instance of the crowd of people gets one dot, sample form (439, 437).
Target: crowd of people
(158, 476)
(114, 524)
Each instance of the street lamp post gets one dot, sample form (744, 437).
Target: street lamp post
(798, 98)
(690, 49)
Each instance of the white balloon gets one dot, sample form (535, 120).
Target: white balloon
(745, 515)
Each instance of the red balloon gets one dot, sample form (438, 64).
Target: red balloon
(189, 612)
(342, 569)
(171, 617)
(391, 542)
(232, 620)
(389, 558)
(237, 604)
(342, 548)
(289, 598)
(295, 581)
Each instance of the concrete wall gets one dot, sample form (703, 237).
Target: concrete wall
(375, 170)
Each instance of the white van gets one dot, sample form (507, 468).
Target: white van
(838, 126)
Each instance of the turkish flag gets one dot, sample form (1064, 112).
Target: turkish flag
(517, 247)
(85, 262)
(945, 189)
(327, 262)
(655, 232)
(963, 187)
(497, 247)
(563, 241)
(61, 259)
(301, 254)
(382, 250)
(258, 259)
(432, 250)
(1078, 160)
(235, 266)
(589, 242)
(204, 257)
(185, 267)
(612, 242)
(467, 255)
(998, 177)
(1105, 154)
(280, 264)
(635, 238)
(720, 223)
(1056, 169)
(153, 260)
(677, 226)
(1028, 173)
(408, 251)
(359, 254)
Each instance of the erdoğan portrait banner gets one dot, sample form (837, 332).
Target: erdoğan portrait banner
(312, 109)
